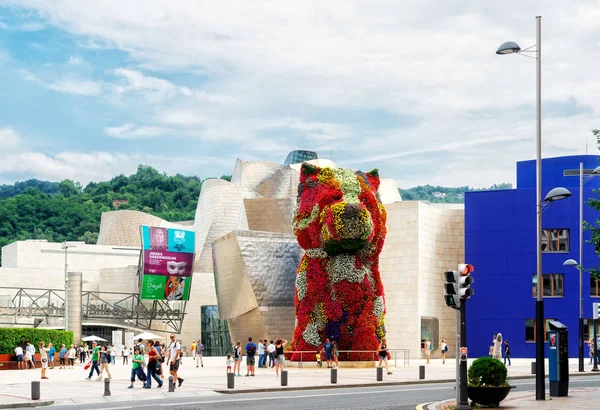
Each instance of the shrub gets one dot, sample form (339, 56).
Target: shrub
(487, 371)
(11, 337)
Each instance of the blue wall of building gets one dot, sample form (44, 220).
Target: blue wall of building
(500, 241)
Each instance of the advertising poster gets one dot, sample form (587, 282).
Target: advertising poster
(168, 260)
(117, 340)
(129, 339)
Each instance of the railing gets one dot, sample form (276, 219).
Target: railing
(309, 356)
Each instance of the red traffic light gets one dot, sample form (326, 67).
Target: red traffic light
(465, 268)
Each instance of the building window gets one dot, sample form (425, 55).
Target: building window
(214, 332)
(594, 287)
(530, 328)
(555, 240)
(430, 329)
(554, 285)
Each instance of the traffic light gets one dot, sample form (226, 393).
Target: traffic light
(465, 280)
(451, 290)
(463, 354)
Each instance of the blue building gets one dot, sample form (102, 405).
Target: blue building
(500, 242)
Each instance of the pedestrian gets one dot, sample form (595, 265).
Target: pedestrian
(44, 357)
(199, 349)
(113, 354)
(506, 352)
(237, 358)
(62, 356)
(228, 362)
(279, 346)
(382, 352)
(31, 349)
(51, 353)
(327, 349)
(193, 350)
(29, 363)
(173, 359)
(498, 346)
(427, 347)
(443, 350)
(262, 353)
(250, 357)
(335, 352)
(81, 354)
(271, 351)
(72, 354)
(19, 355)
(104, 362)
(94, 359)
(161, 358)
(140, 346)
(125, 355)
(491, 352)
(153, 365)
(137, 366)
(591, 350)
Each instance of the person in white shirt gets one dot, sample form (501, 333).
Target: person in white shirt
(125, 355)
(271, 351)
(31, 350)
(19, 354)
(173, 359)
(72, 354)
(113, 354)
(262, 353)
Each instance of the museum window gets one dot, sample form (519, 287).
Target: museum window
(555, 240)
(215, 332)
(594, 287)
(530, 328)
(554, 285)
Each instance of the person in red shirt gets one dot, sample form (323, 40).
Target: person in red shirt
(153, 365)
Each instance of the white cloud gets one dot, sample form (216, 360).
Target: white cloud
(133, 131)
(9, 139)
(67, 85)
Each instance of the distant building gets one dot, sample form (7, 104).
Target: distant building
(299, 156)
(118, 202)
(438, 194)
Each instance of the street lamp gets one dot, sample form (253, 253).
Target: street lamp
(571, 262)
(66, 247)
(511, 47)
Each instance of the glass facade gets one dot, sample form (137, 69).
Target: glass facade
(299, 156)
(215, 333)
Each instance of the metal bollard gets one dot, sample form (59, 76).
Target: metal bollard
(333, 376)
(284, 378)
(171, 384)
(35, 390)
(421, 372)
(107, 386)
(230, 380)
(380, 374)
(532, 367)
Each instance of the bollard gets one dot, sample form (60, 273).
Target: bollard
(284, 378)
(380, 374)
(35, 390)
(171, 384)
(107, 386)
(421, 372)
(333, 376)
(230, 380)
(532, 367)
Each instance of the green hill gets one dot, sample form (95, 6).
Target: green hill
(446, 195)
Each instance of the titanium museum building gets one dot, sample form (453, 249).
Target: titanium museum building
(245, 265)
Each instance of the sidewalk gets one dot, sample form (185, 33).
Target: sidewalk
(70, 387)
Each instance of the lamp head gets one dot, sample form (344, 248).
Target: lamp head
(596, 171)
(557, 194)
(570, 262)
(509, 47)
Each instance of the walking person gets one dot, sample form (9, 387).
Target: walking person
(199, 349)
(94, 358)
(262, 353)
(19, 355)
(29, 363)
(31, 349)
(153, 365)
(271, 351)
(62, 356)
(427, 347)
(173, 359)
(193, 350)
(51, 355)
(506, 352)
(591, 350)
(44, 356)
(228, 362)
(113, 354)
(81, 354)
(327, 347)
(382, 352)
(104, 362)
(237, 358)
(250, 357)
(125, 355)
(137, 366)
(279, 347)
(443, 350)
(161, 358)
(497, 346)
(72, 354)
(335, 352)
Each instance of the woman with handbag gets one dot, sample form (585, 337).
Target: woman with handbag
(44, 354)
(153, 365)
(383, 354)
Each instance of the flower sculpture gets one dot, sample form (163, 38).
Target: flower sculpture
(340, 223)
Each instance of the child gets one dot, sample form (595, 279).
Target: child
(228, 361)
(319, 362)
(137, 363)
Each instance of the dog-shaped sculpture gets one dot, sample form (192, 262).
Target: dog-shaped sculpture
(340, 223)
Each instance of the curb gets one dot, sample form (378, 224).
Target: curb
(23, 405)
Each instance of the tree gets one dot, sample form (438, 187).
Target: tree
(595, 227)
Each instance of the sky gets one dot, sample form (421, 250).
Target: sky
(90, 89)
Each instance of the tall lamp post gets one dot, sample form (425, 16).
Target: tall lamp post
(511, 47)
(66, 247)
(571, 262)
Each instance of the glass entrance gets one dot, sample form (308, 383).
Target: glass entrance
(215, 333)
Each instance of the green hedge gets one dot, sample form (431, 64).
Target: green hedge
(11, 337)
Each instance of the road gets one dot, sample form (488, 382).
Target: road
(363, 398)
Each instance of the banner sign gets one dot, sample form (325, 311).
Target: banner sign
(168, 261)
